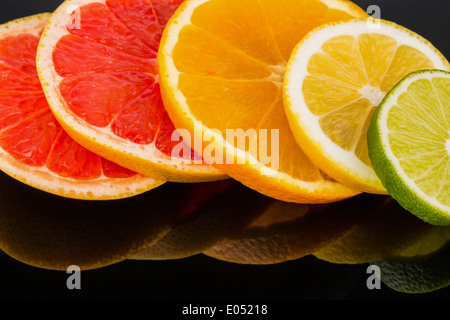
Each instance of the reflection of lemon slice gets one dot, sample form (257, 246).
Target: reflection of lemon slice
(287, 231)
(335, 79)
(222, 64)
(390, 231)
(409, 144)
(432, 241)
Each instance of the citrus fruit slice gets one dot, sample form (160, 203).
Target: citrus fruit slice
(290, 231)
(97, 65)
(409, 144)
(33, 146)
(388, 232)
(224, 215)
(336, 78)
(222, 64)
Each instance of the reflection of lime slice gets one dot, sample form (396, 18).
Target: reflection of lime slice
(419, 276)
(409, 144)
(388, 232)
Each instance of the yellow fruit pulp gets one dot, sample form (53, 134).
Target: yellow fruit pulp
(348, 80)
(419, 135)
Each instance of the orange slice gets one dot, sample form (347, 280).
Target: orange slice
(34, 148)
(222, 64)
(97, 63)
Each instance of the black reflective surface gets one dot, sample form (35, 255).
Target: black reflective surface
(201, 277)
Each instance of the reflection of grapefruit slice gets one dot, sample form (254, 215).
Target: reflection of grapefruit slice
(289, 231)
(97, 63)
(51, 232)
(33, 146)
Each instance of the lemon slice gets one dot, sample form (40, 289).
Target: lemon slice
(409, 144)
(335, 79)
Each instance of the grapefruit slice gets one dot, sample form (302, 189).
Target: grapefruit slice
(97, 64)
(34, 148)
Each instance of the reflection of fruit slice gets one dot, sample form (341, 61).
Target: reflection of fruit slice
(418, 276)
(432, 241)
(97, 64)
(51, 232)
(33, 146)
(336, 78)
(224, 216)
(409, 144)
(387, 233)
(221, 66)
(289, 231)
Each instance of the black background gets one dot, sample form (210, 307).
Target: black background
(200, 277)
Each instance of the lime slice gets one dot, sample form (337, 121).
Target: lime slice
(409, 144)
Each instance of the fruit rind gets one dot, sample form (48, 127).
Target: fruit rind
(399, 186)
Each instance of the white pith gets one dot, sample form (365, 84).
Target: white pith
(373, 94)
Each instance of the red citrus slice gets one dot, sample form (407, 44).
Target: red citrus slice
(97, 61)
(34, 148)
